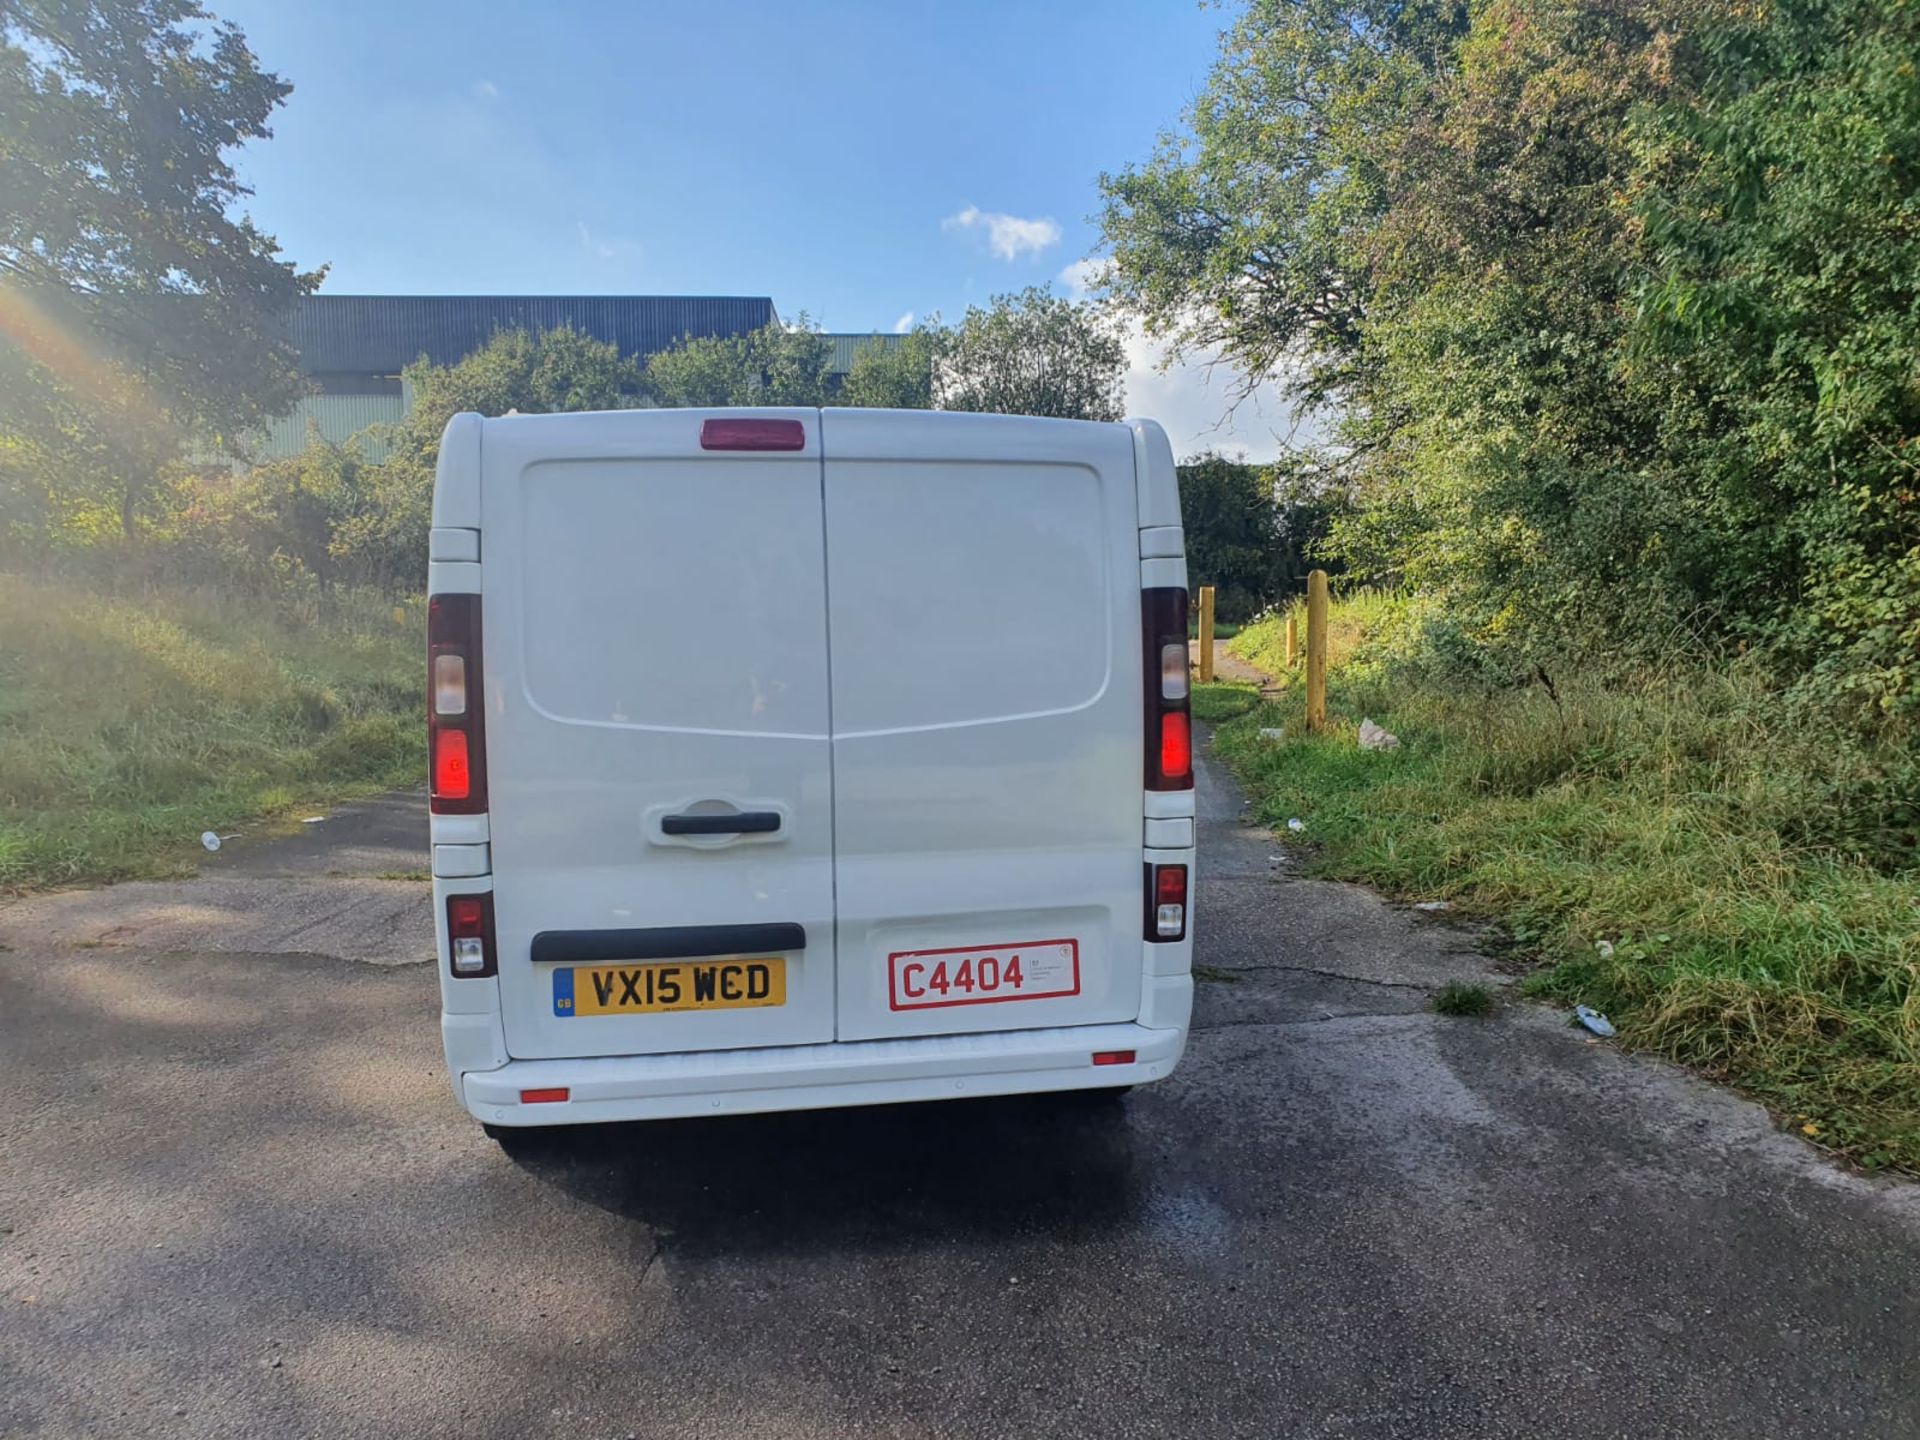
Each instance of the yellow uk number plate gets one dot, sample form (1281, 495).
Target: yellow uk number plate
(668, 985)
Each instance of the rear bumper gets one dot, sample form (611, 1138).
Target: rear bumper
(813, 1077)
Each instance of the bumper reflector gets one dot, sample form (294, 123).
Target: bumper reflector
(544, 1097)
(1113, 1057)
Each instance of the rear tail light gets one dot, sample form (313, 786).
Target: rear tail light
(1166, 902)
(470, 952)
(452, 765)
(1176, 745)
(456, 733)
(1169, 731)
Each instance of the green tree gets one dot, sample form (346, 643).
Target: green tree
(1419, 212)
(555, 370)
(1248, 230)
(140, 314)
(774, 365)
(1778, 322)
(1035, 353)
(1253, 531)
(897, 376)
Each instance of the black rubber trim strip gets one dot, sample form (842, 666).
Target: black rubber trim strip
(746, 822)
(666, 942)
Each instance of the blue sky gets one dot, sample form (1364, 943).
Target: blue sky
(860, 161)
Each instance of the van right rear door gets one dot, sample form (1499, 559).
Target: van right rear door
(984, 616)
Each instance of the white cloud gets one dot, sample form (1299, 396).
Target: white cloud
(606, 247)
(1083, 277)
(1202, 400)
(1195, 399)
(485, 90)
(1008, 236)
(903, 324)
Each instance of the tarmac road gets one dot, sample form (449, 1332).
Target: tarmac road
(236, 1199)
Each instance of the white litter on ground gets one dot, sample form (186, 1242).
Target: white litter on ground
(1372, 737)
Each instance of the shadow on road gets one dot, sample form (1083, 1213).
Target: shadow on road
(864, 1179)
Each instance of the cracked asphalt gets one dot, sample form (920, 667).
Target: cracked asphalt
(237, 1200)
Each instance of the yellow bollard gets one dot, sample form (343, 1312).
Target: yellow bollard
(1206, 634)
(1317, 651)
(1293, 636)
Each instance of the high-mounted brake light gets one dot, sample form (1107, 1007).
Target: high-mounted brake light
(456, 734)
(1169, 732)
(752, 434)
(470, 951)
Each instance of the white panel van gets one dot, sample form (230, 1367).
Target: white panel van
(795, 758)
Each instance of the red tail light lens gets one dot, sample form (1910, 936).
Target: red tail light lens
(456, 733)
(470, 952)
(1176, 745)
(1169, 732)
(1166, 902)
(751, 434)
(452, 770)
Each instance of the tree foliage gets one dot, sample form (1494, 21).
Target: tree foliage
(897, 375)
(1620, 305)
(138, 314)
(774, 365)
(1034, 353)
(534, 374)
(1252, 531)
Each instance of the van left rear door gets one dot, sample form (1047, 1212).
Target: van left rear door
(658, 759)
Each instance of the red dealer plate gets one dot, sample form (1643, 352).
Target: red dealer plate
(1025, 970)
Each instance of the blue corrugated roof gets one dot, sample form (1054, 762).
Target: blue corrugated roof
(378, 334)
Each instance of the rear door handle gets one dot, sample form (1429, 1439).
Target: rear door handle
(740, 822)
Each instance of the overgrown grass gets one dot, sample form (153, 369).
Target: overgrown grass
(1263, 642)
(130, 724)
(1223, 700)
(1653, 846)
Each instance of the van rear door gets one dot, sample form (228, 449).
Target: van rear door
(984, 584)
(655, 671)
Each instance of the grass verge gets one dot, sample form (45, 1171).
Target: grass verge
(1649, 846)
(1213, 702)
(130, 724)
